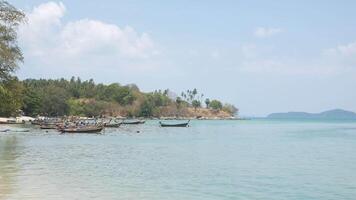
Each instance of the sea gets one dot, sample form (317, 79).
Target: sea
(256, 159)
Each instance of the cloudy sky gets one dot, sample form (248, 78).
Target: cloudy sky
(262, 56)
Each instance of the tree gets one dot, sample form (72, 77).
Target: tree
(179, 102)
(196, 104)
(121, 94)
(10, 53)
(95, 108)
(194, 93)
(216, 105)
(54, 102)
(230, 109)
(31, 102)
(146, 109)
(11, 91)
(76, 107)
(207, 102)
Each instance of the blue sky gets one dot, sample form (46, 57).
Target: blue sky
(262, 56)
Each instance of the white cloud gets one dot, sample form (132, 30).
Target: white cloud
(342, 56)
(92, 36)
(263, 32)
(261, 59)
(47, 39)
(342, 50)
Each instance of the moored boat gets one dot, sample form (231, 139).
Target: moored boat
(15, 130)
(112, 123)
(48, 126)
(82, 129)
(134, 122)
(11, 121)
(116, 125)
(174, 125)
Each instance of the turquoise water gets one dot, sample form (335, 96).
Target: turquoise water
(254, 159)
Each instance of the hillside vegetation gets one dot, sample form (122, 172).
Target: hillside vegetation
(85, 98)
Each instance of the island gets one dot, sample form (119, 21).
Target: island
(335, 114)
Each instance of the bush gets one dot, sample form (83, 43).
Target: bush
(230, 109)
(11, 95)
(216, 105)
(146, 109)
(196, 104)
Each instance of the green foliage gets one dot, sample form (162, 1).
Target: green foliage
(146, 108)
(190, 95)
(54, 101)
(230, 109)
(216, 105)
(85, 98)
(32, 102)
(207, 102)
(11, 92)
(76, 107)
(158, 98)
(124, 96)
(95, 108)
(87, 107)
(196, 104)
(121, 94)
(10, 53)
(179, 102)
(152, 102)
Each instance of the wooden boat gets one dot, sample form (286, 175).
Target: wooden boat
(37, 122)
(10, 121)
(116, 125)
(48, 126)
(174, 125)
(134, 122)
(83, 129)
(15, 130)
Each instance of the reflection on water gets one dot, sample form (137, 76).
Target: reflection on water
(8, 165)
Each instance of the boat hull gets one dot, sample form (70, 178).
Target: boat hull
(48, 126)
(82, 130)
(174, 125)
(112, 125)
(11, 122)
(132, 123)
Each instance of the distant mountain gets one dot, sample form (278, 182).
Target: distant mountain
(330, 114)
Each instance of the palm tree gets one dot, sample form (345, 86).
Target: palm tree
(207, 102)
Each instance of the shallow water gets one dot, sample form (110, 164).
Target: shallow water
(254, 159)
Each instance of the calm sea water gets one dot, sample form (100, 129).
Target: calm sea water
(255, 159)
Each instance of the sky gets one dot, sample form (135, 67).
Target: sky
(261, 56)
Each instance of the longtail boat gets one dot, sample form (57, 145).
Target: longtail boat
(116, 125)
(11, 121)
(112, 124)
(48, 126)
(36, 122)
(134, 122)
(15, 130)
(174, 125)
(83, 129)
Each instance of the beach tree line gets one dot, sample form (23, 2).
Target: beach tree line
(86, 98)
